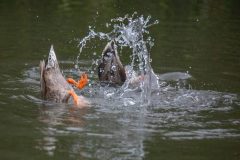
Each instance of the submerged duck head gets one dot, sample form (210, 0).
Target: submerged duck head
(54, 87)
(110, 69)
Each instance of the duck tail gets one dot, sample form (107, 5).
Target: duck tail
(110, 59)
(42, 83)
(52, 59)
(110, 47)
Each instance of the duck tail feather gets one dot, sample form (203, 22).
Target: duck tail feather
(52, 59)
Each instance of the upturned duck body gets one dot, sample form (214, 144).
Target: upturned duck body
(54, 87)
(110, 69)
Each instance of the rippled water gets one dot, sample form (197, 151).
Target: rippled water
(116, 125)
(193, 114)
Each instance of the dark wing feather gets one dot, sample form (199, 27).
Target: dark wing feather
(42, 82)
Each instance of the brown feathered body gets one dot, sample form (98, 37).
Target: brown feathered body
(54, 87)
(110, 69)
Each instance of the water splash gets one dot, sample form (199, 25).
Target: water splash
(132, 32)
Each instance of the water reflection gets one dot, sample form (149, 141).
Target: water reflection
(59, 120)
(112, 130)
(92, 133)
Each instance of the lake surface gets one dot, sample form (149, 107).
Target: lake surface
(194, 114)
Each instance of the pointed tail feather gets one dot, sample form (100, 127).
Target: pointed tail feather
(52, 59)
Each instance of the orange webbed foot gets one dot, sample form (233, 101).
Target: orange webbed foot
(71, 81)
(81, 83)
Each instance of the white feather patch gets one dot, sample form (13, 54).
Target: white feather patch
(52, 59)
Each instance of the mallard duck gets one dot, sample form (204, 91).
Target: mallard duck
(110, 69)
(54, 87)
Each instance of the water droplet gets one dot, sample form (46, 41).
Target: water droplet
(114, 68)
(108, 25)
(76, 66)
(128, 31)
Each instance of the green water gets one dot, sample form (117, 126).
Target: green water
(198, 36)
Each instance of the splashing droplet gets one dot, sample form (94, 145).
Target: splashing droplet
(130, 31)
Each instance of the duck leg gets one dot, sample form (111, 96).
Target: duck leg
(81, 83)
(74, 95)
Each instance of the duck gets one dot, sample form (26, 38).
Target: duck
(110, 68)
(54, 87)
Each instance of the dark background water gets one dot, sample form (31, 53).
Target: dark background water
(198, 36)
